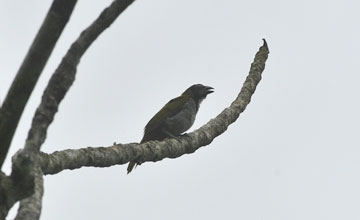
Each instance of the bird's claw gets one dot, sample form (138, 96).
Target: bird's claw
(185, 135)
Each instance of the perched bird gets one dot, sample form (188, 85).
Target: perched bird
(176, 117)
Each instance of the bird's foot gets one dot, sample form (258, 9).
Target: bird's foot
(185, 135)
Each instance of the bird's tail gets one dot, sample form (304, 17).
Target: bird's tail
(133, 164)
(130, 167)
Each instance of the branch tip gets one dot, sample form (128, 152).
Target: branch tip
(265, 45)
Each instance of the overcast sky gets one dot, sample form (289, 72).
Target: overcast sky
(293, 154)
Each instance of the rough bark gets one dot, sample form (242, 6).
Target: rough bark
(64, 75)
(30, 70)
(30, 208)
(20, 184)
(7, 195)
(59, 84)
(155, 150)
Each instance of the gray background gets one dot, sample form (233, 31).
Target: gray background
(293, 153)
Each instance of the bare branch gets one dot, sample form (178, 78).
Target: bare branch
(30, 208)
(30, 70)
(55, 91)
(64, 76)
(7, 195)
(19, 185)
(155, 150)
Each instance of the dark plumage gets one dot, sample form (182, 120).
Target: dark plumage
(176, 117)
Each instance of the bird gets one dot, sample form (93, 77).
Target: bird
(176, 117)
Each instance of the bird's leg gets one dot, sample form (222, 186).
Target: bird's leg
(169, 134)
(184, 135)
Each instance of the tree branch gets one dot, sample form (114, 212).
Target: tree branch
(55, 91)
(64, 76)
(30, 70)
(17, 186)
(30, 208)
(155, 150)
(7, 195)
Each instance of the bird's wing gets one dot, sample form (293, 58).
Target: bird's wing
(173, 107)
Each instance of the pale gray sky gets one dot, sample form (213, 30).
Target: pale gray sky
(293, 154)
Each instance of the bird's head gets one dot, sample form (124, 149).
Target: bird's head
(198, 92)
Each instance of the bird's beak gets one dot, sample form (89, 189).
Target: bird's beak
(209, 89)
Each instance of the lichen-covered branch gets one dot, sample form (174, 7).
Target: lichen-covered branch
(155, 150)
(20, 184)
(30, 208)
(26, 160)
(30, 70)
(64, 75)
